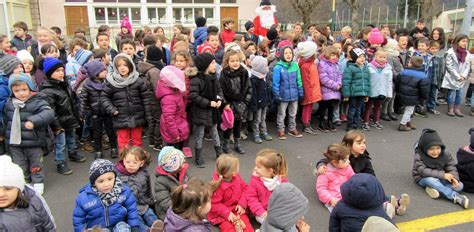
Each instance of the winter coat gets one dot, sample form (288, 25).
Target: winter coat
(4, 93)
(465, 168)
(174, 126)
(63, 102)
(397, 66)
(175, 223)
(237, 91)
(132, 103)
(420, 170)
(227, 36)
(80, 80)
(311, 82)
(356, 81)
(72, 69)
(261, 93)
(362, 196)
(140, 185)
(200, 36)
(164, 184)
(412, 86)
(37, 111)
(150, 74)
(360, 164)
(455, 70)
(437, 70)
(22, 44)
(258, 195)
(202, 110)
(381, 83)
(287, 84)
(39, 78)
(36, 218)
(90, 211)
(330, 77)
(91, 98)
(328, 185)
(227, 196)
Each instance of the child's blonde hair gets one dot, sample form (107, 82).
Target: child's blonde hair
(139, 153)
(183, 53)
(226, 166)
(271, 159)
(188, 199)
(351, 137)
(330, 50)
(336, 152)
(52, 36)
(228, 54)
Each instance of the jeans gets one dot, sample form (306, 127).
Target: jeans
(292, 109)
(30, 159)
(472, 99)
(388, 104)
(200, 135)
(63, 139)
(336, 114)
(431, 103)
(147, 219)
(327, 105)
(456, 94)
(119, 227)
(259, 121)
(406, 118)
(443, 186)
(98, 124)
(355, 108)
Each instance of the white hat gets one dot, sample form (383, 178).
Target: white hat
(24, 55)
(11, 174)
(307, 49)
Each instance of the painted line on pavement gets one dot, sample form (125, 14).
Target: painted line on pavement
(437, 221)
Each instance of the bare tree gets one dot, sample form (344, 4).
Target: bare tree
(304, 8)
(354, 5)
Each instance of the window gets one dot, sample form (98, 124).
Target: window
(187, 15)
(156, 15)
(228, 1)
(209, 13)
(195, 1)
(177, 15)
(136, 16)
(156, 1)
(113, 15)
(100, 15)
(123, 12)
(198, 12)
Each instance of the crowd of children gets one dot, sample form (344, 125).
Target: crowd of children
(222, 87)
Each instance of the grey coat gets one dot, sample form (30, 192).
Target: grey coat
(421, 171)
(164, 185)
(140, 185)
(454, 71)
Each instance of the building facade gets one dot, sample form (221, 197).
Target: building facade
(12, 11)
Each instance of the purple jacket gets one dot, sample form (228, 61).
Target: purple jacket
(175, 223)
(330, 77)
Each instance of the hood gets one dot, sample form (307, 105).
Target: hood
(116, 80)
(97, 85)
(465, 156)
(176, 223)
(428, 139)
(162, 91)
(363, 191)
(144, 67)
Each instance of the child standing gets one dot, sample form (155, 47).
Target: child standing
(227, 35)
(381, 87)
(105, 202)
(62, 101)
(5, 45)
(393, 59)
(200, 34)
(328, 185)
(27, 61)
(436, 69)
(287, 89)
(132, 171)
(458, 65)
(190, 204)
(434, 169)
(270, 171)
(311, 83)
(250, 36)
(235, 84)
(170, 173)
(22, 40)
(228, 202)
(27, 115)
(465, 166)
(78, 59)
(260, 100)
(127, 46)
(21, 208)
(127, 100)
(103, 41)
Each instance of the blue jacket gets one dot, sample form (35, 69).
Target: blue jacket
(4, 93)
(287, 83)
(90, 211)
(200, 36)
(362, 196)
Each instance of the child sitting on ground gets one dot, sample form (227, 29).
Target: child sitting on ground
(465, 164)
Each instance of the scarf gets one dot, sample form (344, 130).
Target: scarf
(230, 91)
(210, 92)
(118, 81)
(433, 163)
(112, 196)
(461, 54)
(271, 183)
(15, 133)
(377, 65)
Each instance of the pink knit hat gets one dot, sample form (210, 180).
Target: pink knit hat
(227, 120)
(126, 23)
(283, 43)
(376, 37)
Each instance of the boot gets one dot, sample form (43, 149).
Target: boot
(63, 169)
(198, 159)
(113, 153)
(392, 116)
(457, 111)
(225, 146)
(98, 155)
(409, 124)
(385, 117)
(76, 157)
(238, 147)
(218, 150)
(451, 110)
(331, 126)
(402, 127)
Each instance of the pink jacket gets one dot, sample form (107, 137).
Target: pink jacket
(258, 195)
(328, 185)
(174, 126)
(226, 198)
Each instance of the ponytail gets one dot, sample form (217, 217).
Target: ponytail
(226, 166)
(282, 166)
(216, 183)
(187, 199)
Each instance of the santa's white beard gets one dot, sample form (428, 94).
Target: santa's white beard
(266, 16)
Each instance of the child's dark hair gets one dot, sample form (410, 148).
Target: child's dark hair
(99, 53)
(363, 31)
(424, 41)
(237, 38)
(149, 40)
(347, 49)
(416, 61)
(22, 25)
(248, 44)
(139, 35)
(226, 166)
(212, 29)
(186, 31)
(127, 61)
(3, 37)
(272, 159)
(157, 28)
(125, 42)
(56, 29)
(442, 36)
(79, 42)
(458, 38)
(21, 201)
(139, 153)
(103, 28)
(352, 136)
(101, 34)
(311, 25)
(211, 34)
(79, 30)
(321, 40)
(336, 152)
(226, 21)
(188, 199)
(48, 48)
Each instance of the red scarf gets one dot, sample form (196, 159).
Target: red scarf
(461, 54)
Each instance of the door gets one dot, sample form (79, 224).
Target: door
(76, 16)
(230, 12)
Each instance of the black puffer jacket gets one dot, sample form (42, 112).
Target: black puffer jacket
(132, 103)
(237, 90)
(91, 97)
(261, 93)
(412, 86)
(63, 102)
(203, 113)
(37, 111)
(465, 168)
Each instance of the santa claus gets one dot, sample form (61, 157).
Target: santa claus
(265, 18)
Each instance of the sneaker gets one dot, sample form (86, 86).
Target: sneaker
(76, 157)
(343, 118)
(378, 126)
(266, 136)
(39, 188)
(323, 129)
(187, 152)
(157, 148)
(63, 169)
(157, 226)
(421, 114)
(281, 135)
(461, 200)
(338, 123)
(403, 202)
(389, 210)
(257, 139)
(113, 153)
(402, 127)
(385, 117)
(442, 101)
(295, 133)
(366, 127)
(433, 193)
(88, 147)
(433, 111)
(308, 130)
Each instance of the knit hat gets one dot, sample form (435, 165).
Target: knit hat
(21, 77)
(200, 21)
(376, 37)
(471, 132)
(272, 34)
(126, 23)
(265, 3)
(376, 224)
(391, 47)
(154, 53)
(283, 44)
(233, 46)
(8, 63)
(11, 174)
(249, 25)
(202, 61)
(100, 167)
(355, 53)
(24, 55)
(82, 56)
(220, 56)
(259, 66)
(170, 159)
(307, 49)
(173, 77)
(50, 64)
(227, 120)
(93, 68)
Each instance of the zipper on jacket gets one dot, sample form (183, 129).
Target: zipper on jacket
(106, 214)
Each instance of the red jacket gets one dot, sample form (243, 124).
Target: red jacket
(259, 29)
(227, 36)
(258, 195)
(310, 78)
(226, 198)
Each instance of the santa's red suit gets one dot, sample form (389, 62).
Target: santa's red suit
(259, 30)
(265, 18)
